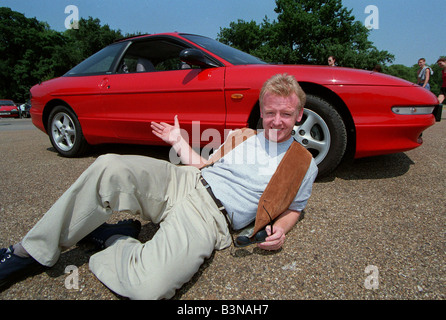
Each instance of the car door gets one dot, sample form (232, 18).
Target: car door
(151, 84)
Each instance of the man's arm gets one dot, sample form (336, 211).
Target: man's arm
(172, 135)
(288, 219)
(283, 224)
(427, 77)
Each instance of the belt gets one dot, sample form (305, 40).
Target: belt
(220, 206)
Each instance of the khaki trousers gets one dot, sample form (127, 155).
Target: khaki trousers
(191, 226)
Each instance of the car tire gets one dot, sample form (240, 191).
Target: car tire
(322, 131)
(65, 132)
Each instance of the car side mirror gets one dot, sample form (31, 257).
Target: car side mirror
(196, 57)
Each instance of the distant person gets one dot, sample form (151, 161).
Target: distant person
(442, 64)
(332, 61)
(377, 68)
(424, 73)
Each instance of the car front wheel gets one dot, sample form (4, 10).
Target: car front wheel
(65, 132)
(322, 131)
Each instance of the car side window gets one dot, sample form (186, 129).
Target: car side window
(152, 56)
(101, 62)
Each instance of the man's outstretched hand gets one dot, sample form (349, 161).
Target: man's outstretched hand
(171, 134)
(166, 132)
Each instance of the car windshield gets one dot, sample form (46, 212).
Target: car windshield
(101, 62)
(234, 56)
(6, 103)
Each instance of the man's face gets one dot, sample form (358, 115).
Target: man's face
(279, 115)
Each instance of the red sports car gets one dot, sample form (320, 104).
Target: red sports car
(8, 109)
(112, 97)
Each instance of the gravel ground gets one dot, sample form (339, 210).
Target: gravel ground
(374, 229)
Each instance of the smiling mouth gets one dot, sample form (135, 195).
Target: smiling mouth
(276, 130)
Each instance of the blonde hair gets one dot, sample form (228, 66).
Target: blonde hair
(283, 85)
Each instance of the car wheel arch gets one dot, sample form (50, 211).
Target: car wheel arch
(332, 99)
(65, 131)
(329, 96)
(81, 142)
(254, 116)
(340, 106)
(49, 107)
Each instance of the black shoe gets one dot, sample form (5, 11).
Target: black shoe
(14, 268)
(98, 237)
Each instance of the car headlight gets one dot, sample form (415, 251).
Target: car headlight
(413, 110)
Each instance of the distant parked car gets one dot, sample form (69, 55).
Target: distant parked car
(112, 96)
(8, 109)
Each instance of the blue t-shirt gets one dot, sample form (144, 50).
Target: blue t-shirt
(239, 178)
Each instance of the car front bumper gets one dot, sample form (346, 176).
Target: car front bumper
(9, 113)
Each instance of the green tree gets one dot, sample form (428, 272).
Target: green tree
(246, 36)
(29, 52)
(307, 32)
(403, 72)
(88, 39)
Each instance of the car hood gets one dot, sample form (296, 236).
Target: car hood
(349, 76)
(326, 75)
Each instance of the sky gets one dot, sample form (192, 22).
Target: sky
(409, 29)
